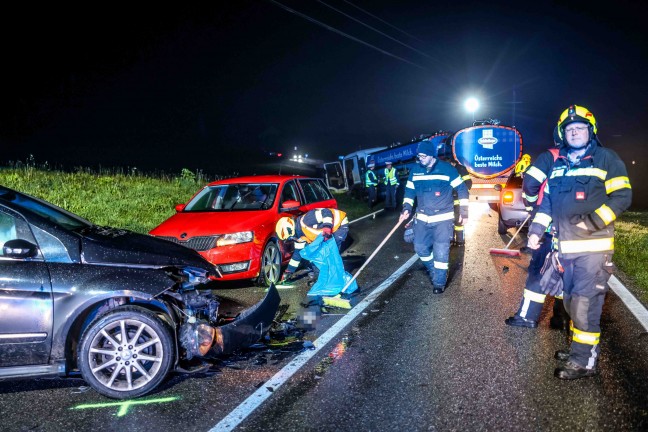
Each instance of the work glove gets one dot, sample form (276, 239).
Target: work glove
(327, 232)
(552, 273)
(408, 235)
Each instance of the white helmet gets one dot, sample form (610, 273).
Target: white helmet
(285, 228)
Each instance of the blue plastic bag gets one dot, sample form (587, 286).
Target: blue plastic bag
(332, 277)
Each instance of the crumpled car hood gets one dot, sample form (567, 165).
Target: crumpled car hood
(105, 245)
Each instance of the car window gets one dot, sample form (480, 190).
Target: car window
(13, 228)
(314, 190)
(52, 213)
(289, 193)
(239, 196)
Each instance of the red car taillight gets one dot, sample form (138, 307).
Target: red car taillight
(507, 198)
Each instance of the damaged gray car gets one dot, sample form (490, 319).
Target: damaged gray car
(120, 308)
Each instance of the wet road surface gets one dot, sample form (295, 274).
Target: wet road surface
(412, 361)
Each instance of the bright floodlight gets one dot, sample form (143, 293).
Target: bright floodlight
(471, 104)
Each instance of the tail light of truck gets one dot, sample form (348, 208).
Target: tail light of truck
(507, 198)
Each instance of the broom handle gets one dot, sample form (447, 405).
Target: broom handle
(371, 256)
(518, 230)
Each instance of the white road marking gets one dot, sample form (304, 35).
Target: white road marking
(366, 216)
(246, 408)
(631, 302)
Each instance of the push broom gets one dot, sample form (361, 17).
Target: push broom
(506, 250)
(338, 301)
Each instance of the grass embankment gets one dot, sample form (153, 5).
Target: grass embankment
(126, 200)
(140, 202)
(631, 249)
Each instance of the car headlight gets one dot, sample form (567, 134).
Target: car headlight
(235, 238)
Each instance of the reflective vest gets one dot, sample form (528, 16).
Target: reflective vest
(371, 179)
(390, 177)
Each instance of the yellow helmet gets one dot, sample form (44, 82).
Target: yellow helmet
(576, 113)
(523, 165)
(285, 228)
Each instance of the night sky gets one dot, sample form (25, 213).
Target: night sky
(216, 88)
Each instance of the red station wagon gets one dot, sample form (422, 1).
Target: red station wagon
(232, 222)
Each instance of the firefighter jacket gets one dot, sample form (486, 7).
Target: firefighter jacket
(309, 225)
(390, 177)
(371, 179)
(535, 177)
(433, 189)
(594, 191)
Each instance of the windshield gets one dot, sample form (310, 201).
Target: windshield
(240, 196)
(52, 213)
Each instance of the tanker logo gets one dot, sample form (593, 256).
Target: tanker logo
(487, 140)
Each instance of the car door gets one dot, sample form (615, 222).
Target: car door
(26, 304)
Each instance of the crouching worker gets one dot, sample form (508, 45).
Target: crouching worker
(304, 229)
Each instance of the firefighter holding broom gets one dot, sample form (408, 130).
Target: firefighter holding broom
(533, 298)
(432, 183)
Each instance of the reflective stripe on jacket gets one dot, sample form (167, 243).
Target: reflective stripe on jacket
(433, 190)
(310, 224)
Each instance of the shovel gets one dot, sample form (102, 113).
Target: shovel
(338, 301)
(506, 250)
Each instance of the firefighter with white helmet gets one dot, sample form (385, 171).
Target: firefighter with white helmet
(330, 223)
(588, 188)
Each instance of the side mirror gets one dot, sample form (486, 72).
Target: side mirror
(180, 207)
(498, 187)
(19, 248)
(290, 205)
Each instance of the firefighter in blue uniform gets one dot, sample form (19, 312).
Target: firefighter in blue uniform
(528, 313)
(391, 185)
(371, 183)
(588, 188)
(331, 223)
(432, 183)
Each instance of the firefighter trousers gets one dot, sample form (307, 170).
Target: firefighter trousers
(585, 287)
(432, 245)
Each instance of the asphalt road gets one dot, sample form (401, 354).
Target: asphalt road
(412, 361)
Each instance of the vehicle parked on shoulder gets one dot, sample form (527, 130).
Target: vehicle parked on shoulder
(120, 308)
(232, 222)
(511, 208)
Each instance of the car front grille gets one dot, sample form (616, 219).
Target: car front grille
(201, 243)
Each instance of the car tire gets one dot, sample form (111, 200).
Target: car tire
(270, 268)
(501, 227)
(142, 361)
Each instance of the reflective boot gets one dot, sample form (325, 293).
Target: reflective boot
(562, 355)
(517, 321)
(572, 371)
